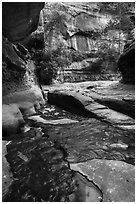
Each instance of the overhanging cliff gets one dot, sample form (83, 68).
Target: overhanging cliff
(20, 88)
(19, 19)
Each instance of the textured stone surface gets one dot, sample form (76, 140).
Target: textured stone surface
(84, 20)
(72, 101)
(9, 51)
(116, 179)
(19, 19)
(110, 100)
(31, 94)
(17, 105)
(38, 158)
(40, 171)
(63, 121)
(12, 119)
(81, 104)
(7, 176)
(125, 106)
(92, 139)
(114, 117)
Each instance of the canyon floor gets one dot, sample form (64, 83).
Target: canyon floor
(80, 146)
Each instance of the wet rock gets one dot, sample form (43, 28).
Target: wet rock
(118, 100)
(71, 101)
(78, 102)
(93, 139)
(125, 106)
(114, 117)
(38, 119)
(111, 116)
(12, 119)
(127, 127)
(87, 191)
(7, 176)
(72, 96)
(116, 179)
(40, 170)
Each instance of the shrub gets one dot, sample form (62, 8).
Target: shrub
(47, 73)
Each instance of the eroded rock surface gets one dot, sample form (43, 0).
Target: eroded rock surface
(12, 119)
(48, 148)
(110, 101)
(38, 155)
(20, 19)
(7, 176)
(39, 119)
(114, 178)
(41, 172)
(92, 139)
(20, 90)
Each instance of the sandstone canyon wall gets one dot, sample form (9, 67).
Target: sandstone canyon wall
(84, 28)
(20, 89)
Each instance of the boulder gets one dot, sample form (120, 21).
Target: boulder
(78, 102)
(12, 119)
(17, 105)
(26, 108)
(32, 95)
(116, 179)
(71, 101)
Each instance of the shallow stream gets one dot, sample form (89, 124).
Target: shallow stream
(39, 158)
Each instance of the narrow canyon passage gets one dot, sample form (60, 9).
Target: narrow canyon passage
(68, 101)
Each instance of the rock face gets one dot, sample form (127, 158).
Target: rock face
(83, 28)
(126, 64)
(19, 19)
(114, 178)
(21, 92)
(82, 23)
